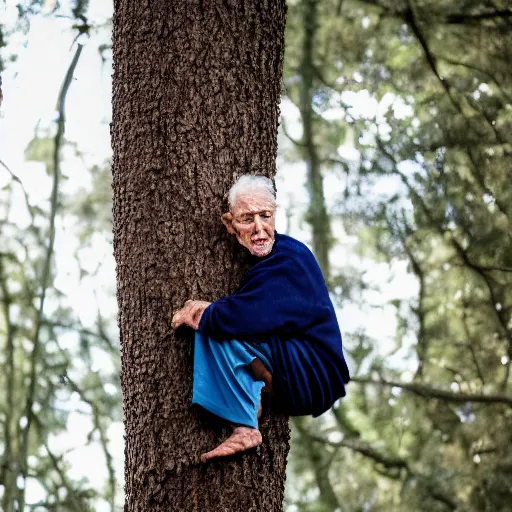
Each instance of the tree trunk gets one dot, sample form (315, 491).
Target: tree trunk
(317, 215)
(195, 102)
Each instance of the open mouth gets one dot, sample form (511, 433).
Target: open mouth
(260, 242)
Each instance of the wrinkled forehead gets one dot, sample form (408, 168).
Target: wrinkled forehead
(253, 202)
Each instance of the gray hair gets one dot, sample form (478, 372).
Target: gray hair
(249, 184)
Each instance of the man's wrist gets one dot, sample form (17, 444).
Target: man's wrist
(204, 318)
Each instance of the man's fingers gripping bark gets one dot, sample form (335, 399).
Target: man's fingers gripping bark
(190, 314)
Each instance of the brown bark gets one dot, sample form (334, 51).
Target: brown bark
(195, 102)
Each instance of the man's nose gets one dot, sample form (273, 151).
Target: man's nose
(258, 224)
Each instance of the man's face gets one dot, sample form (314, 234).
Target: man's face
(252, 220)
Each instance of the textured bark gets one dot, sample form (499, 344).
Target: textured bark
(195, 102)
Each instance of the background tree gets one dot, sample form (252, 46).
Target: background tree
(49, 361)
(427, 190)
(196, 95)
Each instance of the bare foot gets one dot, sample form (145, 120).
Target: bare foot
(242, 439)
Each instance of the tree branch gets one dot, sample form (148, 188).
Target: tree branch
(320, 468)
(103, 439)
(473, 67)
(469, 345)
(8, 472)
(461, 252)
(73, 498)
(15, 178)
(463, 18)
(101, 335)
(410, 18)
(288, 136)
(46, 273)
(441, 394)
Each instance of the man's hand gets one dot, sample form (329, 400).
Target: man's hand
(190, 314)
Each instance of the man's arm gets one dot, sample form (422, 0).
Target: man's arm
(278, 305)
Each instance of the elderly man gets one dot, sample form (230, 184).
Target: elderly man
(278, 331)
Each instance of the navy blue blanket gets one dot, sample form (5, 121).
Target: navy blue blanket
(283, 300)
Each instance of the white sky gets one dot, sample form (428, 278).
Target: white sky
(31, 86)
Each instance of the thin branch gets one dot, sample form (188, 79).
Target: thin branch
(103, 438)
(484, 72)
(100, 334)
(388, 462)
(8, 473)
(288, 136)
(453, 18)
(441, 394)
(491, 268)
(480, 179)
(461, 252)
(339, 7)
(336, 161)
(15, 178)
(410, 18)
(408, 15)
(484, 451)
(470, 345)
(71, 493)
(46, 273)
(463, 18)
(392, 463)
(321, 461)
(74, 499)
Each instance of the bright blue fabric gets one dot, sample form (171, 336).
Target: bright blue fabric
(222, 383)
(283, 301)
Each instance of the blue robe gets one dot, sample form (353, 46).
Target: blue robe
(283, 301)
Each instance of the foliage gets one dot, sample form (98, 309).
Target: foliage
(56, 367)
(428, 188)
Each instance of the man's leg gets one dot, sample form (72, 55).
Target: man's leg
(224, 384)
(259, 372)
(244, 438)
(228, 380)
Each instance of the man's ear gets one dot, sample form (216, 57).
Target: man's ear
(227, 220)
